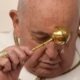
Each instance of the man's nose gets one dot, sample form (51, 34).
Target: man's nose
(51, 51)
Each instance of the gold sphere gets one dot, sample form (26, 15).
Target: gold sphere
(60, 36)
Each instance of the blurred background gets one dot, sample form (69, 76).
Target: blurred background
(5, 7)
(6, 33)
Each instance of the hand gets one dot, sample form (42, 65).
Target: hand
(33, 62)
(11, 65)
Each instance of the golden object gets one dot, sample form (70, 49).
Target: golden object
(79, 31)
(60, 36)
(16, 40)
(42, 44)
(3, 53)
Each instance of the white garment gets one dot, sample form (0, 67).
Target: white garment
(6, 40)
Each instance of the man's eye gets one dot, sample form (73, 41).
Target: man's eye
(41, 39)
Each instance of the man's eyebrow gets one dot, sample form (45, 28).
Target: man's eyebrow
(40, 33)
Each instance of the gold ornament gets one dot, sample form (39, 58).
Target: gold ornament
(60, 36)
(3, 53)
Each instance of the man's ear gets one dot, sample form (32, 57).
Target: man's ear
(14, 16)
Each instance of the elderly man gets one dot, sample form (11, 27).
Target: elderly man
(34, 22)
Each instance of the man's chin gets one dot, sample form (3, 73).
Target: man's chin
(45, 73)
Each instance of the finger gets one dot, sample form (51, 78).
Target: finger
(5, 64)
(7, 67)
(21, 54)
(27, 51)
(34, 59)
(14, 59)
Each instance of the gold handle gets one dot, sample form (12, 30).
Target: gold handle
(42, 44)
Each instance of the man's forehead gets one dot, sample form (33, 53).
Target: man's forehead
(47, 5)
(45, 1)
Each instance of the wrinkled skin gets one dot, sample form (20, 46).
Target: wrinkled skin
(30, 25)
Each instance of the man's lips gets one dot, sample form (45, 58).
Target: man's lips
(49, 64)
(50, 61)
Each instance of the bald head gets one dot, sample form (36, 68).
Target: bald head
(46, 5)
(22, 3)
(61, 11)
